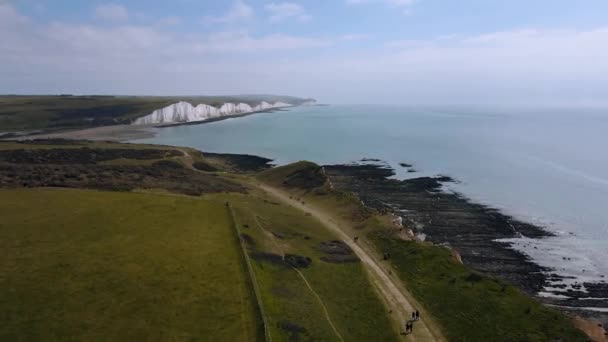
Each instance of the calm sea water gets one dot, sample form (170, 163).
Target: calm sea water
(545, 166)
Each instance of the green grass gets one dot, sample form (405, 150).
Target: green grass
(278, 175)
(351, 301)
(468, 305)
(90, 265)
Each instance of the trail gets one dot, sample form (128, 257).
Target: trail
(396, 298)
(331, 323)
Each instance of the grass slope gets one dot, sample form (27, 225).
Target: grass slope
(271, 230)
(469, 305)
(89, 265)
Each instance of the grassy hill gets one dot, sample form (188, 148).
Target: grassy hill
(21, 113)
(99, 242)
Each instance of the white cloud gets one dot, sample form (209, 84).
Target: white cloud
(508, 66)
(286, 10)
(113, 12)
(238, 12)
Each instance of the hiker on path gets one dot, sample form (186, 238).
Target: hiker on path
(414, 315)
(417, 315)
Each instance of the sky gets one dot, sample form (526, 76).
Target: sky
(337, 51)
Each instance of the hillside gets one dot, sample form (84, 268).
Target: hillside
(134, 254)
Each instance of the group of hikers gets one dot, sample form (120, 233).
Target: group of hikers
(409, 326)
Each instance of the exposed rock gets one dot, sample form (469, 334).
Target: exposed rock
(182, 112)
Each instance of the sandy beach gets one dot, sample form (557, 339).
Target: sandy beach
(106, 133)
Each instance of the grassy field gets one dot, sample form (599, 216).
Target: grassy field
(469, 305)
(89, 265)
(272, 230)
(466, 305)
(63, 112)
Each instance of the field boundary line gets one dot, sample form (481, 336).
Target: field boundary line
(252, 277)
(327, 316)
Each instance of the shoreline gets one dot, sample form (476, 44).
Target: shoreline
(478, 232)
(122, 133)
(424, 199)
(119, 133)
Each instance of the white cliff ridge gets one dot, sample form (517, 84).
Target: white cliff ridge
(185, 112)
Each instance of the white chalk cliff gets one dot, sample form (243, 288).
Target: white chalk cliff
(185, 112)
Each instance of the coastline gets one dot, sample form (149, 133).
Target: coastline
(222, 118)
(455, 221)
(122, 133)
(479, 233)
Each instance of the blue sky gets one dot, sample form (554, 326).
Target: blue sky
(398, 51)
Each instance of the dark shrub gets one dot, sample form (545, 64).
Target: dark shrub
(204, 167)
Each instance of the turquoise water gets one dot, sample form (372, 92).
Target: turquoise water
(545, 166)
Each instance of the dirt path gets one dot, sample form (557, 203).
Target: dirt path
(187, 158)
(396, 298)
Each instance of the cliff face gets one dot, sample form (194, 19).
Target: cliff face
(185, 112)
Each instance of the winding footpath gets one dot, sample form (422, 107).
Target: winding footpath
(395, 296)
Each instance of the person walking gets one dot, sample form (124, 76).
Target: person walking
(417, 315)
(414, 315)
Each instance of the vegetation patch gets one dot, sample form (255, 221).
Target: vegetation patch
(248, 240)
(117, 168)
(301, 175)
(238, 163)
(293, 330)
(470, 306)
(309, 177)
(337, 252)
(84, 155)
(271, 258)
(203, 166)
(297, 261)
(115, 178)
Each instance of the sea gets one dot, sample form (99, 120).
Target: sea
(547, 166)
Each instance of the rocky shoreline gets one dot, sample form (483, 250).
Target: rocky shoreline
(472, 229)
